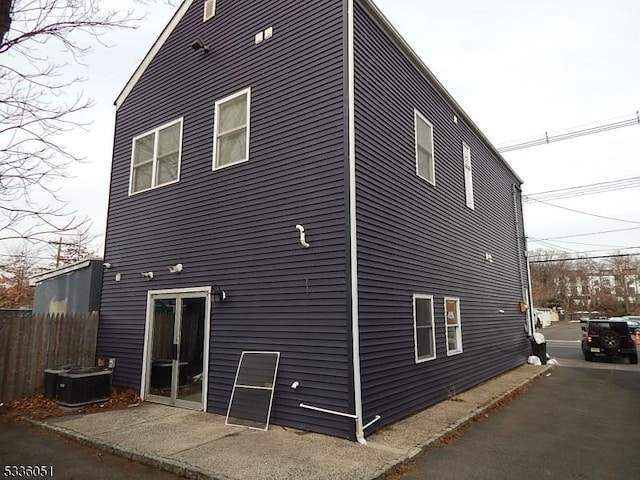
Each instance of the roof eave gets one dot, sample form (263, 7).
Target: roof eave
(36, 279)
(153, 51)
(402, 44)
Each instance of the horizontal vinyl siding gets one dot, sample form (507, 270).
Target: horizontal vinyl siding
(414, 237)
(235, 227)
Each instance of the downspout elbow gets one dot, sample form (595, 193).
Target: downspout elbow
(303, 236)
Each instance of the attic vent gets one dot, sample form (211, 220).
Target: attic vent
(209, 9)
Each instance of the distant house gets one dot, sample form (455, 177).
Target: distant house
(74, 288)
(299, 161)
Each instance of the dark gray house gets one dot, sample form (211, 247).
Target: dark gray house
(300, 158)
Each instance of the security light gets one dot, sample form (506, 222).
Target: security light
(198, 44)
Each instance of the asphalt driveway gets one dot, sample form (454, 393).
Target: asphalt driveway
(23, 445)
(576, 423)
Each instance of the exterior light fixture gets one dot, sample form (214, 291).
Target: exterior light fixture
(147, 275)
(177, 268)
(198, 44)
(218, 294)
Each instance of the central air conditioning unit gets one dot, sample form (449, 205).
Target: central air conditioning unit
(82, 386)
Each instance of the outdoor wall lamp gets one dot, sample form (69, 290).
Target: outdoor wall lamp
(147, 275)
(218, 294)
(198, 44)
(177, 268)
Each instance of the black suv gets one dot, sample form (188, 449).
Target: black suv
(608, 337)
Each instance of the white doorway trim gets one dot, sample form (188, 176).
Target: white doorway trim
(204, 291)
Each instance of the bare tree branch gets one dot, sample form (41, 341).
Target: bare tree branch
(36, 108)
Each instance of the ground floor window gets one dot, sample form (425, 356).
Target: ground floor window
(452, 324)
(424, 332)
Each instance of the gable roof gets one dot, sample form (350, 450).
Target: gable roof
(382, 21)
(155, 48)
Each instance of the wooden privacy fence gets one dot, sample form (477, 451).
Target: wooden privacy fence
(31, 343)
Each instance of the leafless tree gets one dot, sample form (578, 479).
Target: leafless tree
(549, 279)
(73, 247)
(609, 286)
(35, 108)
(15, 270)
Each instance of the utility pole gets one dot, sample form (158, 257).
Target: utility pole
(59, 243)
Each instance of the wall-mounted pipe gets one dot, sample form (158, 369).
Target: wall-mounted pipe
(324, 410)
(375, 419)
(359, 428)
(303, 236)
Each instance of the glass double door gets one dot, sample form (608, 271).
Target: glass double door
(175, 363)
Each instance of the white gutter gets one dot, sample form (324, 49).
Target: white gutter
(355, 325)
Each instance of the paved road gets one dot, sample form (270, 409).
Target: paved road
(24, 445)
(580, 422)
(563, 344)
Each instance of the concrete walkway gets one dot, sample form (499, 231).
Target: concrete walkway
(199, 445)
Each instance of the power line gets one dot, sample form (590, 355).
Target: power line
(586, 213)
(585, 244)
(585, 258)
(556, 247)
(572, 134)
(581, 190)
(586, 234)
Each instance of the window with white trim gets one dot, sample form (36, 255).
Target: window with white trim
(231, 130)
(423, 328)
(155, 160)
(452, 325)
(468, 175)
(425, 166)
(209, 9)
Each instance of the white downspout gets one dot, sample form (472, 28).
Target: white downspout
(530, 310)
(355, 325)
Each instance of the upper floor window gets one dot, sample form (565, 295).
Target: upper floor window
(468, 174)
(452, 323)
(425, 166)
(423, 329)
(209, 9)
(231, 130)
(156, 157)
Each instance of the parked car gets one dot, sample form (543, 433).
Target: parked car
(611, 337)
(634, 323)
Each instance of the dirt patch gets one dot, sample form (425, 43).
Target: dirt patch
(40, 408)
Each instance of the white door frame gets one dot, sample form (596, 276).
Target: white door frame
(205, 292)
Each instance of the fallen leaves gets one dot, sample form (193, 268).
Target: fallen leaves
(38, 407)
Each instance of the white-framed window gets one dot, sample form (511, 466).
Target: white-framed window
(231, 129)
(155, 157)
(425, 164)
(452, 325)
(423, 328)
(209, 9)
(468, 175)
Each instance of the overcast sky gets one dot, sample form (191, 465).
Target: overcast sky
(519, 68)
